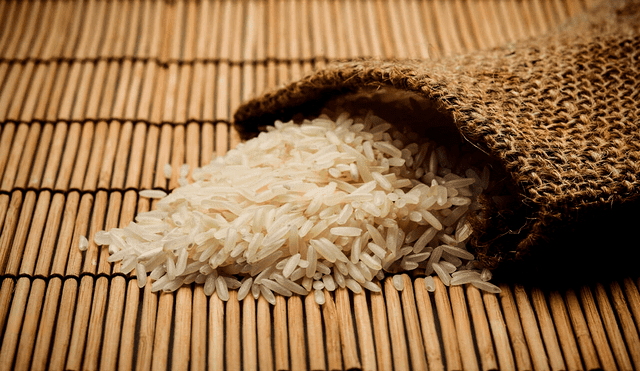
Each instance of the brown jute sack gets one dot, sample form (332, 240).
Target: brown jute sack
(559, 114)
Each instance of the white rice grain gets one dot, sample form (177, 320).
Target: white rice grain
(326, 204)
(153, 193)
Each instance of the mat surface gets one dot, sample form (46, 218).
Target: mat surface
(97, 96)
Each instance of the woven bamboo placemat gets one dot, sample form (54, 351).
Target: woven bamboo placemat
(97, 96)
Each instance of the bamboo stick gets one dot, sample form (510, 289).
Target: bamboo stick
(210, 98)
(149, 164)
(128, 335)
(147, 328)
(631, 290)
(565, 332)
(20, 236)
(11, 9)
(340, 37)
(613, 330)
(96, 328)
(361, 45)
(203, 39)
(384, 360)
(332, 333)
(33, 243)
(90, 178)
(18, 96)
(412, 325)
(575, 6)
(81, 313)
(82, 158)
(137, 155)
(24, 29)
(281, 52)
(265, 352)
(177, 155)
(216, 333)
(65, 234)
(14, 324)
(97, 222)
(482, 331)
(6, 139)
(303, 21)
(4, 207)
(207, 136)
(396, 327)
(157, 100)
(347, 331)
(581, 330)
(511, 26)
(421, 40)
(47, 245)
(164, 149)
(30, 325)
(6, 293)
(281, 344)
(8, 91)
(48, 111)
(463, 328)
(315, 334)
(629, 329)
(235, 99)
(249, 340)
(492, 24)
(192, 151)
(478, 29)
(531, 331)
(199, 329)
(162, 336)
(548, 330)
(519, 22)
(54, 155)
(499, 330)
(9, 229)
(181, 337)
(70, 151)
(596, 329)
(395, 25)
(428, 326)
(41, 157)
(516, 333)
(233, 354)
(45, 332)
(118, 166)
(448, 42)
(13, 162)
(297, 344)
(365, 332)
(447, 327)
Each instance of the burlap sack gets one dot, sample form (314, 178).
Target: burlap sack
(560, 115)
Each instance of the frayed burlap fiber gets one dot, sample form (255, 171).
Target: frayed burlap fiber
(559, 113)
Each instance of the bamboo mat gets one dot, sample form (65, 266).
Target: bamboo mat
(97, 96)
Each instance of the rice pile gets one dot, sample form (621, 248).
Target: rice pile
(302, 208)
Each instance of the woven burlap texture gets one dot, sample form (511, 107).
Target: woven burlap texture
(560, 114)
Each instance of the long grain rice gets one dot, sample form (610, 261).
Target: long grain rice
(306, 207)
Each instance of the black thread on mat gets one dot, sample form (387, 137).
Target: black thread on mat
(162, 62)
(63, 277)
(81, 192)
(5, 276)
(121, 120)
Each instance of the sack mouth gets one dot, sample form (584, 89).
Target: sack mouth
(500, 222)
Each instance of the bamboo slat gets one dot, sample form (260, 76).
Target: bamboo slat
(97, 96)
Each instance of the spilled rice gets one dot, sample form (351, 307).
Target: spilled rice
(303, 208)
